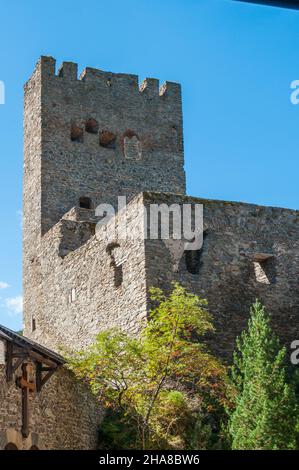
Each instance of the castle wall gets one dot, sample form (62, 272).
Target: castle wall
(229, 276)
(82, 292)
(63, 415)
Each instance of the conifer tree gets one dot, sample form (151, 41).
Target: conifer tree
(265, 410)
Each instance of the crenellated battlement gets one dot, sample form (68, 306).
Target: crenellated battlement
(149, 87)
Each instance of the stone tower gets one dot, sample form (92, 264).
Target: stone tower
(87, 141)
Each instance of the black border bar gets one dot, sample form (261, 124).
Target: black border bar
(146, 459)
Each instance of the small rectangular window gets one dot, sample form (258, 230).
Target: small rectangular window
(72, 296)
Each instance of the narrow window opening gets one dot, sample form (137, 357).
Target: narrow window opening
(76, 134)
(107, 140)
(265, 272)
(33, 324)
(72, 296)
(174, 135)
(117, 260)
(91, 126)
(118, 276)
(192, 259)
(85, 203)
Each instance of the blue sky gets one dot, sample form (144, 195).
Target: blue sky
(235, 62)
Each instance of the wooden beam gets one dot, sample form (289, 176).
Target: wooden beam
(42, 359)
(9, 351)
(40, 380)
(38, 377)
(24, 383)
(22, 355)
(17, 364)
(48, 376)
(25, 412)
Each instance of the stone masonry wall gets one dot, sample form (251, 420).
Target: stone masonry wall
(229, 276)
(81, 292)
(78, 295)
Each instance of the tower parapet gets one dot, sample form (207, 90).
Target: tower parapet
(149, 86)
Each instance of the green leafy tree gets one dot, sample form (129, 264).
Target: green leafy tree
(160, 385)
(265, 403)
